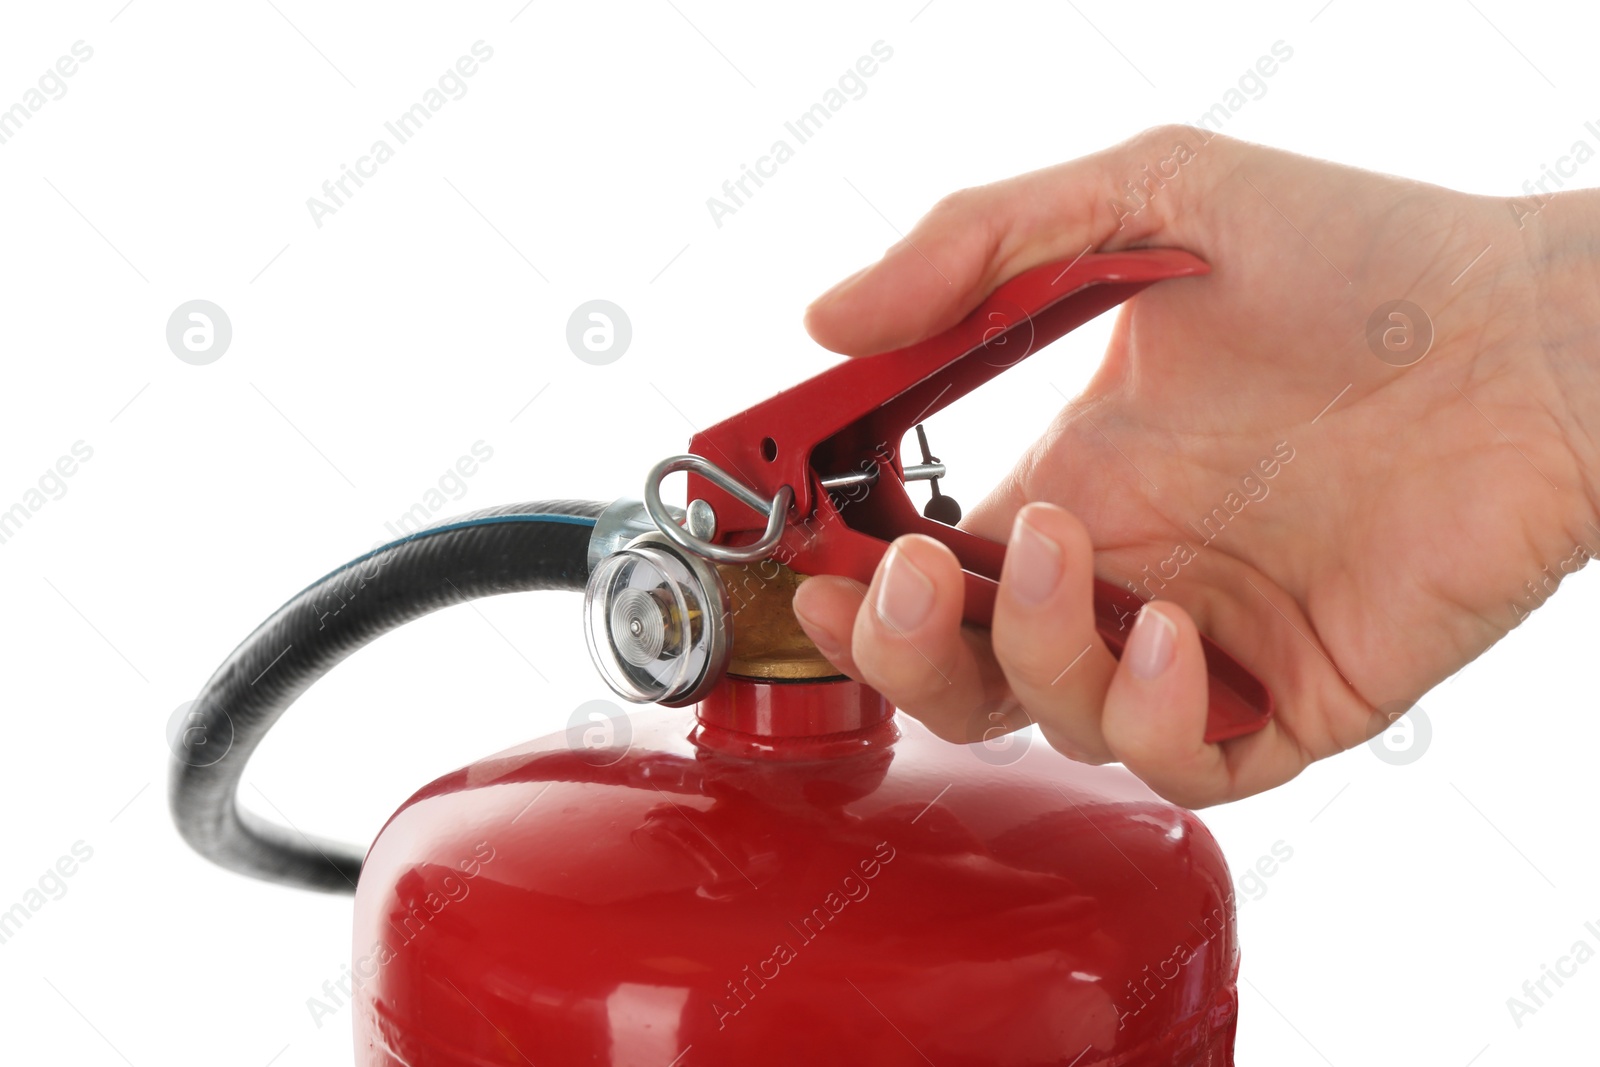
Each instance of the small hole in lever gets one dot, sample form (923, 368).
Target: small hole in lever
(769, 449)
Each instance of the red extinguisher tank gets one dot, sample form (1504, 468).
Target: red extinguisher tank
(798, 877)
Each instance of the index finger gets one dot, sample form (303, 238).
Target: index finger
(974, 240)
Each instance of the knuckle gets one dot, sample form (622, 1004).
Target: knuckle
(961, 204)
(992, 719)
(951, 728)
(1038, 652)
(899, 673)
(1163, 135)
(1157, 770)
(1091, 751)
(1162, 138)
(1028, 661)
(1184, 795)
(1132, 751)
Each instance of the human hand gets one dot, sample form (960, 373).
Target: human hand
(1351, 530)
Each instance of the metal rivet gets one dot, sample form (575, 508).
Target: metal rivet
(701, 520)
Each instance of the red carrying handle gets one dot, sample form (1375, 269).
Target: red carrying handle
(854, 415)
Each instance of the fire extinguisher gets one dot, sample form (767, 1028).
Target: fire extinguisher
(789, 873)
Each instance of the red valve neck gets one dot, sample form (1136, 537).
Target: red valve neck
(793, 720)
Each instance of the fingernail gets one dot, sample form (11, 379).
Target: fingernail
(1034, 561)
(905, 595)
(1151, 644)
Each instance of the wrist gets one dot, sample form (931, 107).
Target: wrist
(1562, 243)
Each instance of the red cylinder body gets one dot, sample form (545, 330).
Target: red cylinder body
(857, 892)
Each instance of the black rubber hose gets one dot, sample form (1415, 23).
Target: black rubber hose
(508, 549)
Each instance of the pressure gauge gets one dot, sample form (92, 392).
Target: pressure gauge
(656, 620)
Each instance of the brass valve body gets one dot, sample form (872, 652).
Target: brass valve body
(766, 640)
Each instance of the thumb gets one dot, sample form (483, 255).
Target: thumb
(975, 239)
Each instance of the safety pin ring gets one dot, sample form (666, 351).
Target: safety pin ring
(776, 510)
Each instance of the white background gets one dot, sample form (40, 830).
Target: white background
(425, 315)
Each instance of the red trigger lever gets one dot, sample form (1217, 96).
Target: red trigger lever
(813, 476)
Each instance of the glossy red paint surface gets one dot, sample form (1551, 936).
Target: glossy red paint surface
(706, 897)
(853, 416)
(791, 710)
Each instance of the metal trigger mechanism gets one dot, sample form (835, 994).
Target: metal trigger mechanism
(700, 524)
(812, 480)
